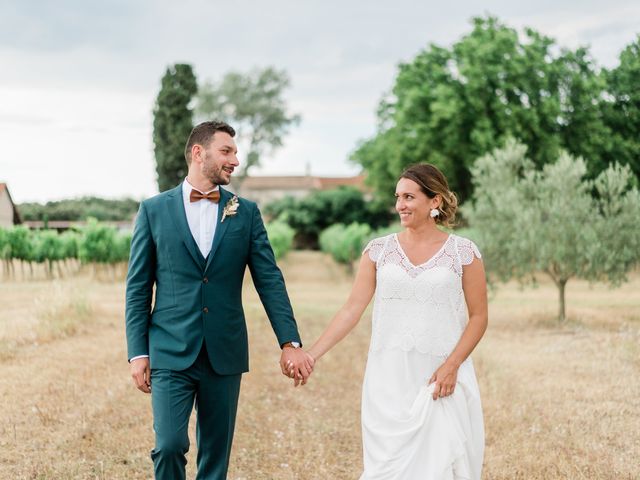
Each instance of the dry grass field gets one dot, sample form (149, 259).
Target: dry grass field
(560, 402)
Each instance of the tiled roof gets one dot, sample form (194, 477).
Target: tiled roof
(300, 182)
(280, 183)
(327, 183)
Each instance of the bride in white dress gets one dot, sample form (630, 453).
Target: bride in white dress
(421, 410)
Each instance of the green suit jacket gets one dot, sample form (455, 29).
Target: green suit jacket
(199, 299)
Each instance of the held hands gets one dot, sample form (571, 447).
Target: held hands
(445, 378)
(297, 364)
(141, 374)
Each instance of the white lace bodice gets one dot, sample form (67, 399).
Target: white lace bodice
(419, 307)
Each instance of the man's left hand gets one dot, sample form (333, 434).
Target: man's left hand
(296, 364)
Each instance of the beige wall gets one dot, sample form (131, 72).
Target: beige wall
(6, 210)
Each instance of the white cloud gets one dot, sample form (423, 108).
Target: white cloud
(79, 79)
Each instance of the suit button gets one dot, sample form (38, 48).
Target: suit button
(205, 310)
(205, 280)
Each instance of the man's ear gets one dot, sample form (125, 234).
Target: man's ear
(196, 152)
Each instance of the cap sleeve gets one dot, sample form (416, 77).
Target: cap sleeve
(374, 248)
(467, 250)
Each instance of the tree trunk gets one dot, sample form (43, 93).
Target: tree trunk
(562, 283)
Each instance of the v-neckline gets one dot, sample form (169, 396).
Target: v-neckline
(428, 260)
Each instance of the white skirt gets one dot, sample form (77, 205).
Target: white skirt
(409, 436)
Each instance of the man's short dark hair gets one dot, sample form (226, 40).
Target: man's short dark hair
(203, 133)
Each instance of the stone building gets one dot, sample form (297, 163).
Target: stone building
(9, 215)
(263, 190)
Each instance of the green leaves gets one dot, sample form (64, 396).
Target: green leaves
(95, 243)
(345, 242)
(280, 237)
(254, 105)
(531, 220)
(172, 124)
(312, 214)
(450, 106)
(80, 209)
(623, 112)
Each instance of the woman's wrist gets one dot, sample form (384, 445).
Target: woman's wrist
(454, 362)
(313, 354)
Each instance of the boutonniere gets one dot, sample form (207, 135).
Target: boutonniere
(231, 208)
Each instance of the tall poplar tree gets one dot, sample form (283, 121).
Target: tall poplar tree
(172, 123)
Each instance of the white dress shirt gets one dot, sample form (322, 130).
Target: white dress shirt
(202, 217)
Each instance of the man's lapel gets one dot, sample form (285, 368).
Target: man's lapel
(179, 216)
(221, 226)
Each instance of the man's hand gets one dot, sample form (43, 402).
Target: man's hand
(141, 374)
(297, 364)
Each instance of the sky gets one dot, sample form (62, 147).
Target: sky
(78, 79)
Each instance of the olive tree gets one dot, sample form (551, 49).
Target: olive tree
(554, 220)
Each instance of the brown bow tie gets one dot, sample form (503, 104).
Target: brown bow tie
(196, 195)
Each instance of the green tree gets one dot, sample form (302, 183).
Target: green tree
(451, 105)
(5, 251)
(623, 111)
(554, 219)
(122, 247)
(80, 209)
(98, 243)
(20, 246)
(280, 237)
(345, 242)
(47, 248)
(172, 124)
(310, 215)
(254, 105)
(20, 243)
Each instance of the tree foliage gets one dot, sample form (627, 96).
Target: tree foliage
(96, 243)
(623, 111)
(102, 244)
(80, 209)
(253, 103)
(554, 219)
(280, 237)
(450, 106)
(345, 242)
(310, 215)
(172, 124)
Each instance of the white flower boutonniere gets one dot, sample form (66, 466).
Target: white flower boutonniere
(231, 208)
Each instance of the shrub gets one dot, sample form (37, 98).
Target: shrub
(281, 237)
(345, 243)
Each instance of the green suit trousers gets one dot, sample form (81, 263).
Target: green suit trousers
(173, 394)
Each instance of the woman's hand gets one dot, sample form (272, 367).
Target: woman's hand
(445, 378)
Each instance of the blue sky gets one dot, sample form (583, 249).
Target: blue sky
(79, 78)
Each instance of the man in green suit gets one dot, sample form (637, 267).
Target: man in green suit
(193, 244)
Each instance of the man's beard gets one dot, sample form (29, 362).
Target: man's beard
(212, 174)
